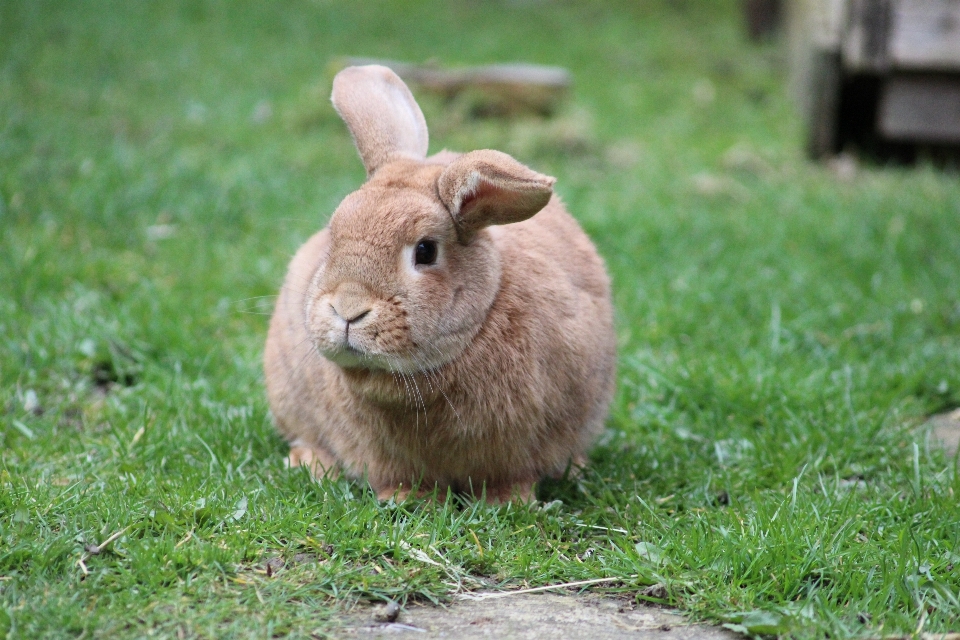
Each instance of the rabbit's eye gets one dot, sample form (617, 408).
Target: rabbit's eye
(425, 252)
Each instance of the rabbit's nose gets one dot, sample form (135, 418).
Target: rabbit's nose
(357, 317)
(351, 315)
(351, 302)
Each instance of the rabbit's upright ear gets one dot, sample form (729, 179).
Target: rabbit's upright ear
(381, 114)
(484, 188)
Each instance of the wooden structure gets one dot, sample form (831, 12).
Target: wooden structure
(879, 75)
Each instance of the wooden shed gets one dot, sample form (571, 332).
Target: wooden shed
(877, 75)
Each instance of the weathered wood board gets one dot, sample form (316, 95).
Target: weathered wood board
(926, 109)
(814, 30)
(500, 89)
(926, 35)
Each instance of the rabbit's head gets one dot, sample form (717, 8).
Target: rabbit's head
(412, 269)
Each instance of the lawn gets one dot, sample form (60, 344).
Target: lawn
(784, 329)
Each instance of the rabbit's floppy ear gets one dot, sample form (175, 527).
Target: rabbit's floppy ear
(488, 187)
(381, 114)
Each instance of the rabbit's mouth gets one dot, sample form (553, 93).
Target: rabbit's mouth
(348, 356)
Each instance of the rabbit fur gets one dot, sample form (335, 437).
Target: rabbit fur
(483, 371)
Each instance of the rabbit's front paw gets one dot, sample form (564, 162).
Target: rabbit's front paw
(320, 463)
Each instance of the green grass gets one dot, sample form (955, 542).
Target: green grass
(782, 332)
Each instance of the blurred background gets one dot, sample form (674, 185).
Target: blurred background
(173, 155)
(161, 161)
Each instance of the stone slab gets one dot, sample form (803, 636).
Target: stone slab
(536, 616)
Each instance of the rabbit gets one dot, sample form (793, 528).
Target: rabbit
(450, 329)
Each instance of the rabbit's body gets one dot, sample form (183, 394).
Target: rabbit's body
(492, 365)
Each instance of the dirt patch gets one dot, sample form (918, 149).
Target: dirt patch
(531, 617)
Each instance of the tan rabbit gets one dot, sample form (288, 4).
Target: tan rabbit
(438, 333)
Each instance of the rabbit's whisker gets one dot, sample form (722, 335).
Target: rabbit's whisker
(311, 351)
(239, 300)
(436, 376)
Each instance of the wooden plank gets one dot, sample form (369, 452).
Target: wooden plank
(926, 35)
(866, 36)
(921, 109)
(814, 29)
(823, 121)
(501, 89)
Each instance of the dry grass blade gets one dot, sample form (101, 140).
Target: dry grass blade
(552, 587)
